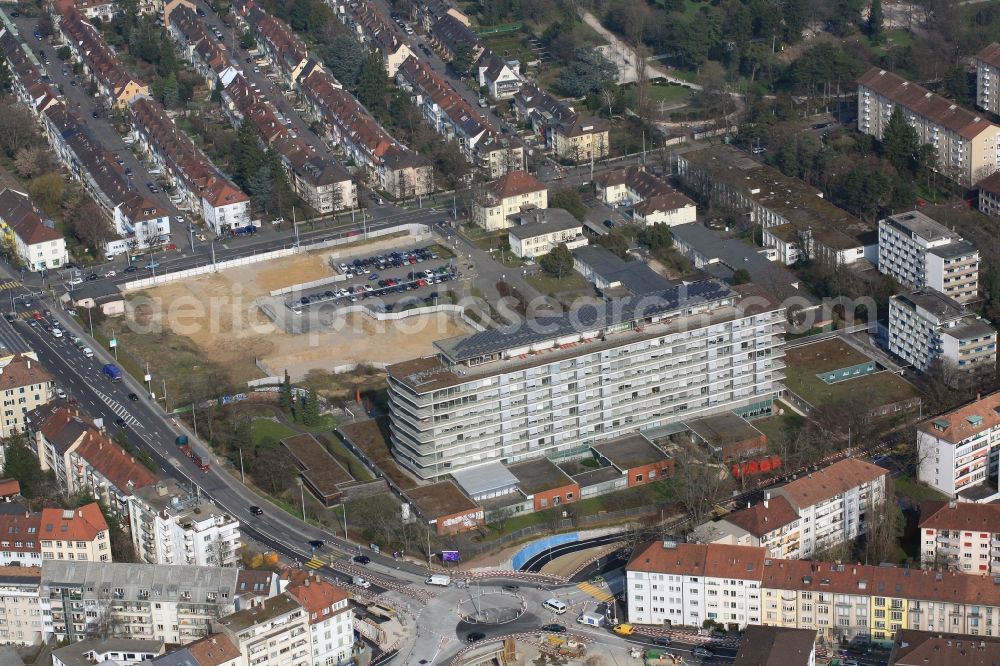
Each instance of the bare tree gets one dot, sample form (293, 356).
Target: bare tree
(883, 526)
(700, 487)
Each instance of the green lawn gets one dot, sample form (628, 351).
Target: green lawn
(266, 432)
(788, 422)
(574, 283)
(510, 45)
(667, 94)
(350, 462)
(915, 491)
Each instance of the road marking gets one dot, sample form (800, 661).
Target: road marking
(117, 408)
(315, 563)
(596, 592)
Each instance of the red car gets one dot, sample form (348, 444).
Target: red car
(37, 315)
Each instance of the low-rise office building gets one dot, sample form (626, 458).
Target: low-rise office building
(927, 327)
(965, 143)
(171, 604)
(541, 231)
(590, 375)
(961, 536)
(958, 450)
(797, 221)
(687, 584)
(920, 252)
(169, 525)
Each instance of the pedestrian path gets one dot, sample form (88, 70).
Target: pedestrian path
(596, 592)
(9, 284)
(315, 563)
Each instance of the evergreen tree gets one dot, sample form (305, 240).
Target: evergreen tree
(21, 464)
(285, 394)
(5, 80)
(900, 142)
(310, 410)
(876, 19)
(248, 156)
(372, 83)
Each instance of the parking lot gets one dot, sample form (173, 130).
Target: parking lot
(393, 277)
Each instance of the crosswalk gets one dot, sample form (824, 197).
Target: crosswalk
(117, 408)
(9, 284)
(25, 315)
(596, 592)
(315, 563)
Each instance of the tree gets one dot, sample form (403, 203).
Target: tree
(344, 59)
(372, 82)
(558, 262)
(32, 161)
(657, 237)
(900, 142)
(570, 201)
(461, 63)
(285, 394)
(741, 276)
(247, 41)
(21, 464)
(47, 191)
(876, 19)
(310, 408)
(17, 129)
(884, 525)
(89, 225)
(587, 73)
(5, 81)
(615, 243)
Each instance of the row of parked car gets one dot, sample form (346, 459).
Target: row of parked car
(384, 261)
(385, 287)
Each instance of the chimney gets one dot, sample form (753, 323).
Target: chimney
(79, 513)
(767, 499)
(29, 364)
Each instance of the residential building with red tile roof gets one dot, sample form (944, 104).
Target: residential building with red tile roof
(79, 534)
(482, 144)
(369, 26)
(966, 142)
(212, 650)
(34, 237)
(513, 193)
(115, 83)
(822, 509)
(20, 544)
(960, 536)
(24, 385)
(936, 648)
(9, 489)
(687, 584)
(84, 458)
(331, 620)
(957, 450)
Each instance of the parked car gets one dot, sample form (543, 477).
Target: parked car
(475, 636)
(362, 559)
(702, 652)
(554, 628)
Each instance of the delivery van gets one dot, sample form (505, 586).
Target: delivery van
(439, 579)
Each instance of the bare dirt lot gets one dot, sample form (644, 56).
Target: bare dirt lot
(218, 314)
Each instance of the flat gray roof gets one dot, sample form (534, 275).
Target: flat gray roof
(723, 428)
(74, 654)
(917, 223)
(483, 479)
(628, 451)
(552, 221)
(537, 476)
(959, 248)
(586, 318)
(736, 254)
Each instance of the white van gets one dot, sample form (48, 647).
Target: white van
(590, 619)
(439, 579)
(555, 606)
(88, 352)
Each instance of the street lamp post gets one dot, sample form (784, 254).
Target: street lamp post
(302, 494)
(243, 475)
(343, 507)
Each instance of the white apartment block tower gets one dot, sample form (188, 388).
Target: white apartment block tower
(966, 143)
(271, 632)
(959, 450)
(988, 79)
(926, 326)
(171, 526)
(920, 252)
(560, 385)
(960, 536)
